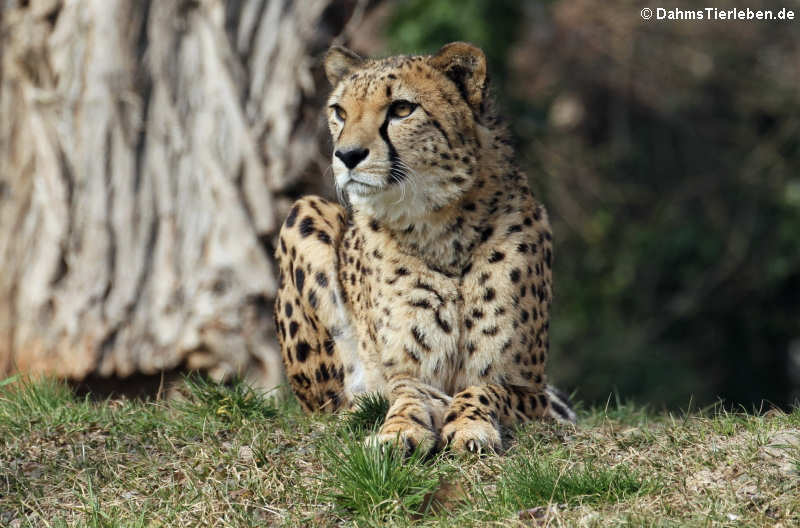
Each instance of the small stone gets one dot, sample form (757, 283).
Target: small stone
(246, 453)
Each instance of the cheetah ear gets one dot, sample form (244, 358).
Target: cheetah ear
(465, 65)
(338, 62)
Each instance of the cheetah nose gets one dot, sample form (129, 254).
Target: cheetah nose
(352, 157)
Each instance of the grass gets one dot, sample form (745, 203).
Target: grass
(223, 455)
(232, 403)
(374, 483)
(369, 412)
(542, 478)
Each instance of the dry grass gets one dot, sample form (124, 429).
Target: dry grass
(229, 458)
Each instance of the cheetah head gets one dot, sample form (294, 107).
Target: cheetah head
(404, 129)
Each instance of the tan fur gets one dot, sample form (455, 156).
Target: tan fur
(435, 288)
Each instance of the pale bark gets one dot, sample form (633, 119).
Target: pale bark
(147, 153)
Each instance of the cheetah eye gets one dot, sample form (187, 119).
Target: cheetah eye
(401, 109)
(341, 115)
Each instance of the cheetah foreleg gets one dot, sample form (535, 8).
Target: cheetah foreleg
(415, 416)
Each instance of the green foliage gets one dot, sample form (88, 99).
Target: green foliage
(33, 398)
(375, 481)
(368, 414)
(228, 402)
(421, 26)
(25, 402)
(533, 479)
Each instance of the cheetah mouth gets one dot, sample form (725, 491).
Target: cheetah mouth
(361, 188)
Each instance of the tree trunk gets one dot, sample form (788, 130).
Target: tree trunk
(148, 150)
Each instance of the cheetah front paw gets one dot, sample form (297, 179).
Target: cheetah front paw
(409, 436)
(472, 436)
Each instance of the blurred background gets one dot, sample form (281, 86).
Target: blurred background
(150, 149)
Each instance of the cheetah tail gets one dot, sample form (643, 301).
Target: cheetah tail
(560, 408)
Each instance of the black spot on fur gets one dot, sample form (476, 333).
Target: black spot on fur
(292, 216)
(306, 226)
(427, 287)
(301, 353)
(411, 354)
(444, 325)
(299, 279)
(302, 380)
(419, 338)
(293, 327)
(439, 127)
(322, 280)
(312, 298)
(496, 256)
(322, 374)
(418, 421)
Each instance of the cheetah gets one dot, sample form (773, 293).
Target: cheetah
(432, 284)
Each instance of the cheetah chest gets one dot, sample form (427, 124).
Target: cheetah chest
(402, 318)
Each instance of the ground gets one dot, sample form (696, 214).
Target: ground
(224, 456)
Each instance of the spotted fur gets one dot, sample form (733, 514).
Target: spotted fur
(434, 286)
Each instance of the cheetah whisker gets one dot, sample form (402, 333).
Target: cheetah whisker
(410, 178)
(339, 191)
